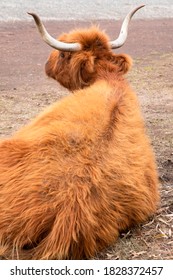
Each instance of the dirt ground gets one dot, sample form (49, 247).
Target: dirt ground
(25, 91)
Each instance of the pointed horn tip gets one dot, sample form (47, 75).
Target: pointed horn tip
(136, 9)
(35, 16)
(141, 6)
(29, 13)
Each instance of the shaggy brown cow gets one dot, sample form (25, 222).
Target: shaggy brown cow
(83, 170)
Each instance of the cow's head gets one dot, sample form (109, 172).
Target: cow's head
(81, 56)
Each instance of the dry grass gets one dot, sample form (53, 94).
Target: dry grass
(152, 240)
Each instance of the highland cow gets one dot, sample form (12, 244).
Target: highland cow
(83, 170)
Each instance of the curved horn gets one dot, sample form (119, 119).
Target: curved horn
(124, 30)
(68, 47)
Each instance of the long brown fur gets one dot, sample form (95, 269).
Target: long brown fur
(83, 170)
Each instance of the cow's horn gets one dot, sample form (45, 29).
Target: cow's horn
(124, 30)
(71, 47)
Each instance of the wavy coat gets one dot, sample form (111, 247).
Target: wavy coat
(83, 170)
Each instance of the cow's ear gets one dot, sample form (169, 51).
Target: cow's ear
(123, 63)
(82, 67)
(87, 69)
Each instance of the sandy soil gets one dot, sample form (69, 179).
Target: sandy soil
(25, 91)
